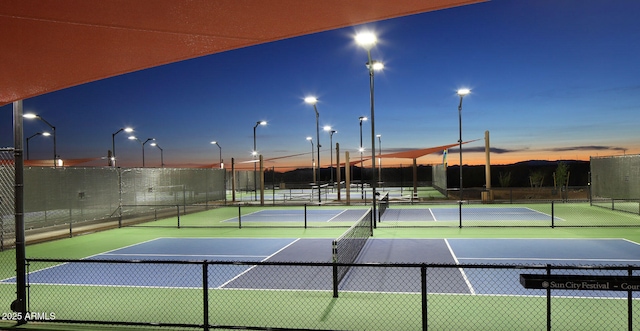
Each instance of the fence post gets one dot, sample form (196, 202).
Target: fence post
(548, 300)
(205, 294)
(630, 301)
(178, 209)
(334, 248)
(423, 277)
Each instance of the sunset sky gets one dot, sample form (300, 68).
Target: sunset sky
(550, 80)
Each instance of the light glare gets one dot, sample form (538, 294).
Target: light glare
(463, 91)
(366, 39)
(311, 100)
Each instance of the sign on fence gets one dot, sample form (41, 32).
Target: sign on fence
(580, 282)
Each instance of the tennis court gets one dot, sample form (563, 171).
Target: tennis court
(468, 214)
(431, 251)
(296, 215)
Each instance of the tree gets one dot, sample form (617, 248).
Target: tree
(561, 176)
(536, 178)
(504, 179)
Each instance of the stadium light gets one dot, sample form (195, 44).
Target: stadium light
(361, 150)
(462, 93)
(313, 161)
(368, 40)
(141, 144)
(161, 153)
(112, 161)
(254, 153)
(53, 129)
(313, 101)
(331, 132)
(220, 148)
(46, 134)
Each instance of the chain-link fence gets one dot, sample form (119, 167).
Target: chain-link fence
(64, 199)
(289, 295)
(7, 226)
(615, 177)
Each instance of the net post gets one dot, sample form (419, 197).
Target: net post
(374, 201)
(460, 213)
(70, 228)
(239, 218)
(305, 215)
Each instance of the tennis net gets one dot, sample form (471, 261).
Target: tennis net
(347, 247)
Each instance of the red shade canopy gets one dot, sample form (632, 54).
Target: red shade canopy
(50, 45)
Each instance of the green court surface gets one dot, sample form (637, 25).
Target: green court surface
(328, 312)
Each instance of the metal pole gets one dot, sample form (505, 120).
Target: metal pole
(255, 187)
(361, 163)
(19, 305)
(460, 143)
(379, 158)
(373, 138)
(318, 148)
(331, 153)
(460, 152)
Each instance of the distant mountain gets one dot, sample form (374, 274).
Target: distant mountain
(545, 163)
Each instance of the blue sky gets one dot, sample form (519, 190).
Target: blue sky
(550, 80)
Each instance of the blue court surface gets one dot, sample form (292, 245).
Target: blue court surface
(433, 251)
(298, 215)
(468, 214)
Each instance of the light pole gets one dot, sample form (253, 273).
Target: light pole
(216, 143)
(361, 149)
(112, 161)
(313, 161)
(367, 40)
(142, 144)
(161, 154)
(255, 153)
(53, 129)
(313, 101)
(379, 158)
(46, 134)
(461, 93)
(331, 132)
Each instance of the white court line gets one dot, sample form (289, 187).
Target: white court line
(244, 272)
(236, 218)
(340, 213)
(545, 259)
(186, 255)
(434, 216)
(464, 275)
